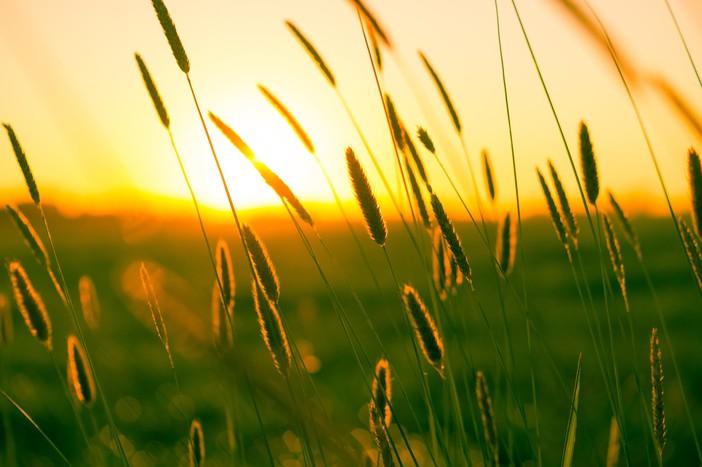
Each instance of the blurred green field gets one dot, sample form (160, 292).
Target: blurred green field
(135, 375)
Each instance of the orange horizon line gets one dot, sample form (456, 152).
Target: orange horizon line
(178, 208)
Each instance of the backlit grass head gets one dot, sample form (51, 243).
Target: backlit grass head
(588, 165)
(694, 177)
(80, 377)
(90, 305)
(30, 304)
(427, 334)
(153, 92)
(375, 223)
(263, 266)
(24, 165)
(274, 335)
(171, 33)
(196, 444)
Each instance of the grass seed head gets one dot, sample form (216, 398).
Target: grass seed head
(487, 415)
(24, 165)
(426, 140)
(373, 22)
(694, 176)
(614, 444)
(451, 237)
(6, 328)
(395, 125)
(221, 317)
(382, 394)
(418, 196)
(159, 323)
(588, 164)
(692, 250)
(553, 211)
(30, 305)
(659, 429)
(506, 244)
(30, 236)
(283, 191)
(265, 271)
(428, 335)
(196, 444)
(81, 377)
(313, 53)
(89, 303)
(629, 232)
(272, 330)
(570, 222)
(233, 137)
(615, 256)
(292, 121)
(225, 271)
(169, 30)
(489, 177)
(444, 94)
(375, 223)
(153, 92)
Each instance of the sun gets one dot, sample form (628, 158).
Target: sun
(274, 144)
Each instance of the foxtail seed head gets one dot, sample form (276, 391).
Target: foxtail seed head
(444, 94)
(285, 113)
(451, 237)
(196, 444)
(24, 165)
(694, 176)
(221, 321)
(366, 199)
(506, 244)
(30, 236)
(313, 53)
(489, 178)
(225, 271)
(30, 305)
(153, 92)
(265, 271)
(692, 250)
(615, 255)
(588, 164)
(395, 125)
(553, 211)
(6, 328)
(418, 196)
(629, 232)
(659, 429)
(81, 377)
(272, 330)
(427, 334)
(382, 394)
(441, 264)
(169, 30)
(487, 415)
(233, 137)
(426, 140)
(567, 213)
(89, 303)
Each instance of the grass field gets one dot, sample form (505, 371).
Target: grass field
(139, 386)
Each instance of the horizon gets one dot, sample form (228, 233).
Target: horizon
(69, 100)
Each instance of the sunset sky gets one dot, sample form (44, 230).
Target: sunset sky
(72, 91)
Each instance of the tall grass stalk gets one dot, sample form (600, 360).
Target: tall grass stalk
(683, 41)
(165, 121)
(34, 192)
(41, 432)
(307, 142)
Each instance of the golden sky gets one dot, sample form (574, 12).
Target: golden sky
(73, 93)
